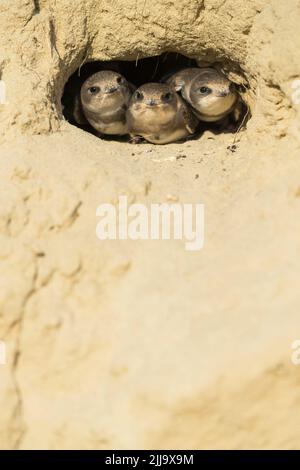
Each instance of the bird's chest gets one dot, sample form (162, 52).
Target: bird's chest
(110, 123)
(112, 128)
(167, 136)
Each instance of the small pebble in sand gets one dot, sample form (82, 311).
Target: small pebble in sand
(172, 198)
(233, 148)
(180, 156)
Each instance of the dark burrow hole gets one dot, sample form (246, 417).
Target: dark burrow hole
(138, 72)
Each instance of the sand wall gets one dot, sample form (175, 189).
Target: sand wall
(140, 344)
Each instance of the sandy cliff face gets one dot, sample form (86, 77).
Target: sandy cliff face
(140, 344)
(45, 42)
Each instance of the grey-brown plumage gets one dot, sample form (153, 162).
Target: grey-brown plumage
(158, 114)
(104, 100)
(211, 95)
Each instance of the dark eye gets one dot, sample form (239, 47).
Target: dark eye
(232, 87)
(139, 96)
(93, 90)
(167, 97)
(204, 90)
(121, 80)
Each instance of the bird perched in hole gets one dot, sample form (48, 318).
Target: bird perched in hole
(104, 99)
(211, 95)
(158, 114)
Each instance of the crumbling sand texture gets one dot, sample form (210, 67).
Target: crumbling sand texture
(140, 344)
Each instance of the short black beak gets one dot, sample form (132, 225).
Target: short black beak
(111, 89)
(224, 93)
(151, 102)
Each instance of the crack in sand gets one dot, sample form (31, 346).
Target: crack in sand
(19, 406)
(37, 8)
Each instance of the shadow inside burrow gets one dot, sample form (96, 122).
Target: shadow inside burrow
(139, 72)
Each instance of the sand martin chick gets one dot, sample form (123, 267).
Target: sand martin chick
(159, 115)
(211, 95)
(105, 98)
